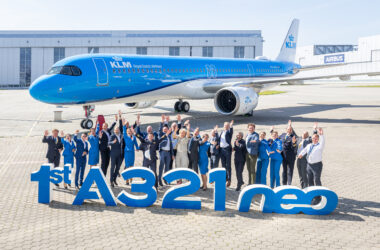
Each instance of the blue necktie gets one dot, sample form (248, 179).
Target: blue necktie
(311, 148)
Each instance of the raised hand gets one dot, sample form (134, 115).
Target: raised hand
(162, 118)
(315, 125)
(290, 123)
(271, 128)
(216, 127)
(178, 117)
(187, 122)
(320, 131)
(62, 134)
(231, 123)
(120, 113)
(169, 131)
(115, 117)
(77, 131)
(167, 118)
(46, 133)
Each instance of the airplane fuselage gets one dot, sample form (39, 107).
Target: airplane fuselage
(108, 78)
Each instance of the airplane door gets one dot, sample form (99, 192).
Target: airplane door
(101, 70)
(251, 70)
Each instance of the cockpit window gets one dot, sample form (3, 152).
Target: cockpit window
(65, 70)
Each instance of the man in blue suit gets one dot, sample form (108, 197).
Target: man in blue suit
(80, 157)
(116, 155)
(226, 148)
(165, 150)
(149, 148)
(149, 130)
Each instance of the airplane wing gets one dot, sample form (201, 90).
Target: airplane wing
(343, 71)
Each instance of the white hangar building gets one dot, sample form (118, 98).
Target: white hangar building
(366, 55)
(25, 55)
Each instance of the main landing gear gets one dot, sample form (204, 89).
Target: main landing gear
(181, 106)
(87, 123)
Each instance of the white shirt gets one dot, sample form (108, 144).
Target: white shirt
(314, 151)
(223, 142)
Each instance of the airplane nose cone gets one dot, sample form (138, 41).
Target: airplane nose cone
(34, 90)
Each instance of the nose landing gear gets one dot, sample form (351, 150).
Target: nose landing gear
(87, 123)
(181, 106)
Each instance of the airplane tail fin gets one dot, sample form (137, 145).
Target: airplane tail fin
(288, 49)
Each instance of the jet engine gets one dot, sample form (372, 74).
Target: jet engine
(141, 105)
(236, 100)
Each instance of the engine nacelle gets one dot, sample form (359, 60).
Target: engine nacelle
(141, 105)
(235, 100)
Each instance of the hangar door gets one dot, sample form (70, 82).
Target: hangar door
(101, 70)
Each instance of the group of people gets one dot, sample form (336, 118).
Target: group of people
(181, 146)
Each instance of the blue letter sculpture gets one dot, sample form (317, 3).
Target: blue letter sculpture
(274, 201)
(97, 176)
(42, 176)
(171, 200)
(218, 176)
(146, 186)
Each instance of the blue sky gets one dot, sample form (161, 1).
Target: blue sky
(322, 22)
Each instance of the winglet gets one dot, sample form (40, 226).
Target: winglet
(288, 49)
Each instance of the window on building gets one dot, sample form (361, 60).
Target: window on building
(141, 50)
(239, 51)
(25, 66)
(173, 51)
(93, 50)
(59, 54)
(207, 51)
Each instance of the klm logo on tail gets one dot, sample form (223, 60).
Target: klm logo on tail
(290, 43)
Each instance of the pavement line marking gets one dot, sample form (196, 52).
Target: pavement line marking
(36, 122)
(15, 152)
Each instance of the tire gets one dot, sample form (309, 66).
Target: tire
(185, 107)
(177, 107)
(82, 123)
(88, 123)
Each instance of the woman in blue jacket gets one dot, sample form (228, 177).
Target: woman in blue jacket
(275, 160)
(204, 145)
(68, 151)
(129, 149)
(93, 153)
(263, 160)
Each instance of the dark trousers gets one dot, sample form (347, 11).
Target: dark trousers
(165, 159)
(171, 160)
(314, 172)
(214, 161)
(251, 166)
(193, 162)
(115, 167)
(105, 157)
(54, 160)
(152, 164)
(301, 166)
(225, 157)
(239, 167)
(287, 169)
(79, 172)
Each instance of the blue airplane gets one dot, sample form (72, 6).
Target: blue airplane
(140, 81)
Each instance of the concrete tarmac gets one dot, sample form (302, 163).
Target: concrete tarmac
(349, 116)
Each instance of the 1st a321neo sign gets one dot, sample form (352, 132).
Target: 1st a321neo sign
(283, 199)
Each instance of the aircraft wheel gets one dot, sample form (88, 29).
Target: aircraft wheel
(177, 106)
(82, 123)
(88, 123)
(185, 107)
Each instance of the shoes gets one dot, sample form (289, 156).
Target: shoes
(76, 187)
(66, 187)
(80, 185)
(115, 183)
(238, 188)
(127, 183)
(56, 185)
(204, 189)
(166, 183)
(160, 183)
(69, 185)
(112, 185)
(228, 183)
